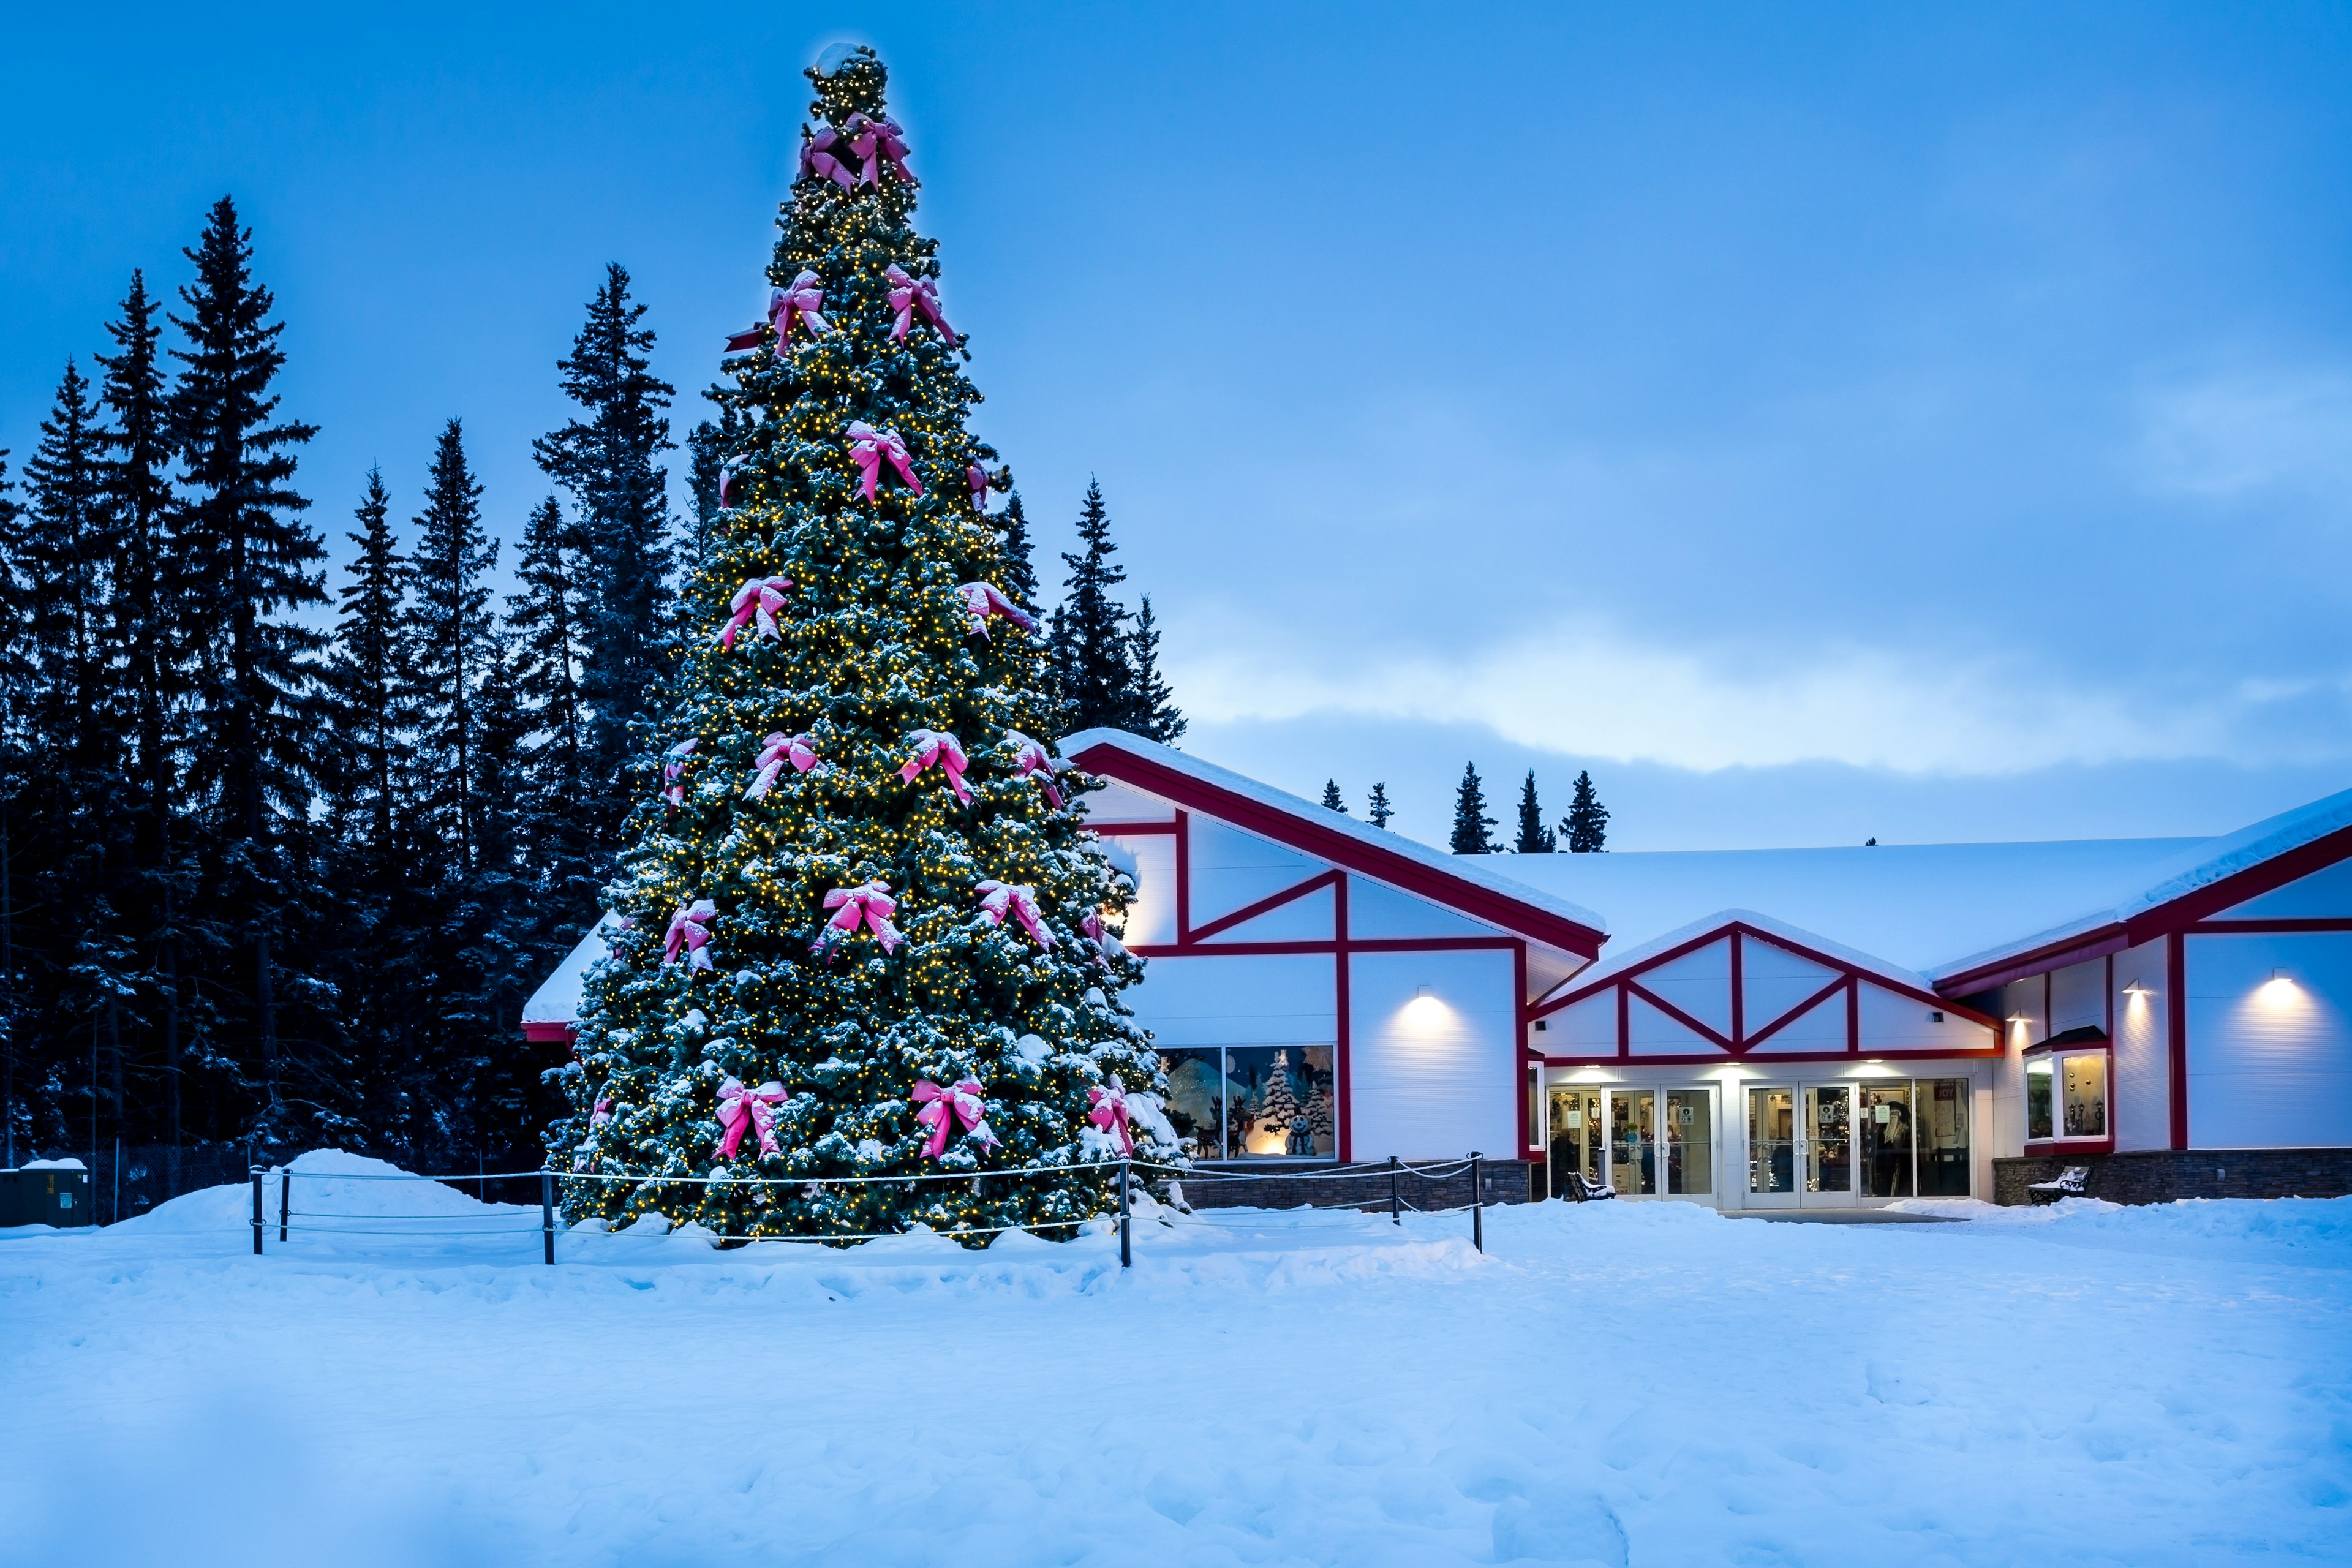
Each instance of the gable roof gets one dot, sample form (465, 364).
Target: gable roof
(1914, 906)
(1698, 933)
(1459, 882)
(2208, 876)
(554, 1007)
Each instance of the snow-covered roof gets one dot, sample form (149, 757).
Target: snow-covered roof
(2196, 864)
(557, 1000)
(1317, 822)
(1616, 962)
(1918, 906)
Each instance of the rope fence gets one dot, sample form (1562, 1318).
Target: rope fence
(1392, 1171)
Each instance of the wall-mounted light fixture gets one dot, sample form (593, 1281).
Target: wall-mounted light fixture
(2135, 990)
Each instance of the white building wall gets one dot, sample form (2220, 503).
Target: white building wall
(1438, 1076)
(1231, 869)
(1152, 913)
(1376, 910)
(2269, 1059)
(2143, 1087)
(2078, 996)
(1286, 1000)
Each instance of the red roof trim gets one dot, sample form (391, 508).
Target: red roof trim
(1458, 893)
(2167, 918)
(549, 1034)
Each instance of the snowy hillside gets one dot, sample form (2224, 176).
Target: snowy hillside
(1615, 1383)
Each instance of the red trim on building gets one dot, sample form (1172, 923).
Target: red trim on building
(2268, 927)
(1344, 850)
(1343, 1024)
(1267, 905)
(1130, 829)
(2175, 1029)
(1717, 1058)
(549, 1034)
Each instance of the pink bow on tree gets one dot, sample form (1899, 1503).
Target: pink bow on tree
(1109, 1113)
(740, 1109)
(934, 746)
(601, 1114)
(870, 906)
(775, 752)
(1033, 758)
(725, 488)
(1106, 946)
(690, 929)
(910, 295)
(977, 477)
(758, 599)
(674, 771)
(982, 600)
(997, 898)
(878, 141)
(803, 300)
(941, 1108)
(817, 158)
(869, 446)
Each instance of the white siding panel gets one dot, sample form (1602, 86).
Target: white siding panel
(1307, 918)
(1698, 983)
(1775, 980)
(2143, 1094)
(1651, 1033)
(1377, 909)
(1587, 1028)
(2324, 894)
(1821, 1027)
(1892, 1022)
(1436, 1076)
(1231, 869)
(1123, 803)
(1290, 999)
(1152, 913)
(2270, 1065)
(2078, 995)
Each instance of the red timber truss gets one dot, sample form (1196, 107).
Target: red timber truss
(1346, 853)
(1747, 1034)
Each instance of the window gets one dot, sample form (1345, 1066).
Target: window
(2066, 1096)
(1252, 1102)
(1942, 1105)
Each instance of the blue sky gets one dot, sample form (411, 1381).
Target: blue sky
(1819, 421)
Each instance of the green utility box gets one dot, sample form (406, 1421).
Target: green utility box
(46, 1193)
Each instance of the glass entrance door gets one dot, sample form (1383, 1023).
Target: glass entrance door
(1690, 1143)
(1634, 1141)
(1577, 1137)
(1771, 1147)
(1827, 1150)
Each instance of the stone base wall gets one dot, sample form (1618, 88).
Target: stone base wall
(2159, 1176)
(1504, 1180)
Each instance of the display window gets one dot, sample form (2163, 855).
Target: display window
(1252, 1102)
(1841, 1143)
(2066, 1094)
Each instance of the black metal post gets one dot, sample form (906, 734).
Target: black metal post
(254, 1171)
(1125, 1222)
(285, 1197)
(1477, 1204)
(1396, 1204)
(547, 1212)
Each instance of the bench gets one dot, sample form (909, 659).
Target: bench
(2072, 1182)
(1581, 1191)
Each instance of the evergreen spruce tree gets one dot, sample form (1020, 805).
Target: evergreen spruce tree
(368, 678)
(1019, 552)
(16, 682)
(1470, 819)
(1586, 827)
(558, 843)
(1534, 837)
(245, 569)
(149, 628)
(446, 625)
(859, 936)
(1092, 654)
(1377, 810)
(610, 462)
(1332, 800)
(1152, 710)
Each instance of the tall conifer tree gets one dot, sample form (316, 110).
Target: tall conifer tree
(449, 631)
(1332, 799)
(247, 568)
(610, 461)
(1586, 826)
(909, 912)
(1092, 654)
(1534, 837)
(1151, 706)
(1471, 823)
(1377, 810)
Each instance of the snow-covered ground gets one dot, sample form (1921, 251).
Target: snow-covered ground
(1614, 1383)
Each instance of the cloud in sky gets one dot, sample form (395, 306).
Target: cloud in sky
(2244, 434)
(1598, 692)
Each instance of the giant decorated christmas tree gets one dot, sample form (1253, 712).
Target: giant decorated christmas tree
(861, 916)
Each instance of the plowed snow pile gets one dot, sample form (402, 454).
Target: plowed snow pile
(1616, 1383)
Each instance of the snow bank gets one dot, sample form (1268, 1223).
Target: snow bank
(1622, 1383)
